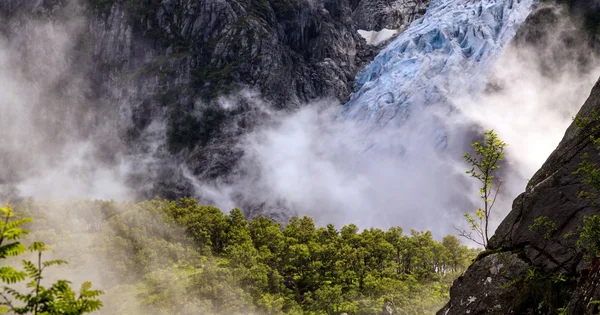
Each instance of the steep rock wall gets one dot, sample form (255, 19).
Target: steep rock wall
(526, 270)
(504, 280)
(155, 71)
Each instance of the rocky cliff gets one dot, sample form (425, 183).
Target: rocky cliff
(154, 71)
(375, 15)
(533, 264)
(519, 273)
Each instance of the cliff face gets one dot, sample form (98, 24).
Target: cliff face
(375, 15)
(536, 267)
(155, 70)
(516, 275)
(278, 47)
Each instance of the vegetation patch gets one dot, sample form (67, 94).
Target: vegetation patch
(184, 258)
(543, 293)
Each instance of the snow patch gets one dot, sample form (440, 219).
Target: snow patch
(377, 37)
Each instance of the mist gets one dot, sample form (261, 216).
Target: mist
(317, 162)
(531, 110)
(61, 144)
(58, 142)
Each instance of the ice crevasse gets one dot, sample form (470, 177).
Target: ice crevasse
(447, 53)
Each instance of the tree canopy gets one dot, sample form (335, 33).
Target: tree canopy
(166, 257)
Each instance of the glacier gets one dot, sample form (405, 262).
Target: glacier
(447, 53)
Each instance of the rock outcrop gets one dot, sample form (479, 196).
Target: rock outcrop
(536, 267)
(529, 270)
(533, 268)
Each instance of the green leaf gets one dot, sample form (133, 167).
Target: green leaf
(54, 263)
(38, 247)
(9, 275)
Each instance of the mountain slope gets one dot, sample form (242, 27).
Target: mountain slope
(151, 75)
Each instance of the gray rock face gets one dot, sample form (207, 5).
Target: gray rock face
(552, 192)
(291, 51)
(587, 291)
(156, 69)
(537, 258)
(375, 15)
(565, 31)
(487, 287)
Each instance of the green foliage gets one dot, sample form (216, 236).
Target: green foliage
(484, 163)
(587, 169)
(57, 299)
(589, 238)
(543, 293)
(185, 258)
(559, 278)
(11, 232)
(591, 177)
(544, 226)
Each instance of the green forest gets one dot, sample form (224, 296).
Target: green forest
(167, 257)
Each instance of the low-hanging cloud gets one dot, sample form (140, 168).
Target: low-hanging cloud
(55, 141)
(311, 161)
(315, 162)
(536, 92)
